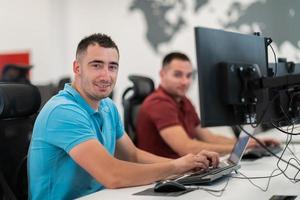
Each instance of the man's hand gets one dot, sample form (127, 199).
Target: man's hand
(267, 142)
(270, 142)
(202, 160)
(211, 156)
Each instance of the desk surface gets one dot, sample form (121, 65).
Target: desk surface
(274, 133)
(236, 188)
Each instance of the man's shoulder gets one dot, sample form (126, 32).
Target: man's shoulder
(188, 103)
(60, 105)
(108, 103)
(158, 96)
(60, 100)
(187, 100)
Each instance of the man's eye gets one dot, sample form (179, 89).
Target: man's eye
(178, 75)
(113, 68)
(189, 76)
(96, 65)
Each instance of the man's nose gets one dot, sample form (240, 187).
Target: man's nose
(104, 72)
(186, 80)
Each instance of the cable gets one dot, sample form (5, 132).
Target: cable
(297, 160)
(293, 154)
(266, 109)
(280, 158)
(262, 145)
(275, 58)
(268, 183)
(283, 171)
(281, 130)
(289, 121)
(256, 177)
(294, 180)
(264, 112)
(288, 140)
(213, 191)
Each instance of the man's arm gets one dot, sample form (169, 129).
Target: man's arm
(115, 173)
(178, 140)
(126, 150)
(205, 135)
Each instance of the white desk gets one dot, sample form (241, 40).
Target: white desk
(274, 133)
(236, 188)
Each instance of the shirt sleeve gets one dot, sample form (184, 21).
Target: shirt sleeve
(68, 126)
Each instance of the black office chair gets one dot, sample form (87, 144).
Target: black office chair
(19, 104)
(46, 92)
(13, 73)
(132, 98)
(61, 83)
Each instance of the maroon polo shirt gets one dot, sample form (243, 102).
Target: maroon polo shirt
(159, 111)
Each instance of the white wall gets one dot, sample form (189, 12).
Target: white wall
(51, 30)
(33, 26)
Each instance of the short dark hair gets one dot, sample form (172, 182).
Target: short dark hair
(174, 55)
(96, 38)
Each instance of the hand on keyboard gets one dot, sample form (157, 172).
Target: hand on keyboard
(212, 157)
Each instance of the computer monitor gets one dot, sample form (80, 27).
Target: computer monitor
(284, 109)
(223, 58)
(237, 85)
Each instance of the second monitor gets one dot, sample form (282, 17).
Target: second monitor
(226, 61)
(234, 85)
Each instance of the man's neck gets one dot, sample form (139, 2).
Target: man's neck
(93, 104)
(176, 98)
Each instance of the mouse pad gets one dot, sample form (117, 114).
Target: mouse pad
(150, 192)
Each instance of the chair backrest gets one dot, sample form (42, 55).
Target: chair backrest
(61, 83)
(46, 92)
(49, 90)
(19, 104)
(132, 98)
(13, 73)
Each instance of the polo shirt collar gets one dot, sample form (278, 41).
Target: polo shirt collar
(79, 99)
(180, 103)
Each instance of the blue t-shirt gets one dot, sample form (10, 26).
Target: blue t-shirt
(64, 122)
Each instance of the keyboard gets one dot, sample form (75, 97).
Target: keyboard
(205, 176)
(221, 167)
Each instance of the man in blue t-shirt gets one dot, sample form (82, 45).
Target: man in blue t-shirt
(78, 144)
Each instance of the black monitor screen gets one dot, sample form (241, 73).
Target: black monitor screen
(216, 48)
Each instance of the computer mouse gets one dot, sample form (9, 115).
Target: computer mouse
(252, 155)
(169, 186)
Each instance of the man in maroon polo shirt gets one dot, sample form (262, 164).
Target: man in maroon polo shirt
(167, 123)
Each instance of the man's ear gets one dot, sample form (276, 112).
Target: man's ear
(161, 73)
(76, 67)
